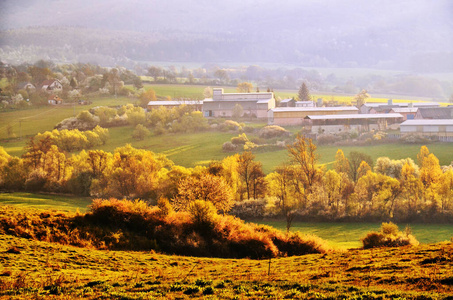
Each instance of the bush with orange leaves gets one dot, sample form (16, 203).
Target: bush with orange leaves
(133, 225)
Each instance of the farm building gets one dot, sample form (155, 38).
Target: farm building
(296, 115)
(195, 104)
(252, 104)
(433, 113)
(377, 107)
(408, 113)
(287, 103)
(305, 104)
(442, 129)
(343, 123)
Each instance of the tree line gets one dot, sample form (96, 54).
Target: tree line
(353, 189)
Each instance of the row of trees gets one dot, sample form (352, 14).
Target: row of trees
(352, 189)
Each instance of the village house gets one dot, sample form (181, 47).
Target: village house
(442, 129)
(334, 124)
(54, 100)
(284, 116)
(254, 105)
(52, 85)
(195, 104)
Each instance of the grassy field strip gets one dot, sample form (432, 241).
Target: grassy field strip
(178, 150)
(51, 202)
(348, 235)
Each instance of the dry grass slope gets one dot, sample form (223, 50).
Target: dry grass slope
(41, 270)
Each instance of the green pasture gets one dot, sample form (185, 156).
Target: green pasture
(44, 201)
(29, 122)
(349, 235)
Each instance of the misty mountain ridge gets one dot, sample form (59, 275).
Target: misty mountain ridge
(406, 35)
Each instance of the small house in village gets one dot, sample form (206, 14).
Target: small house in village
(52, 85)
(54, 100)
(441, 129)
(254, 105)
(296, 115)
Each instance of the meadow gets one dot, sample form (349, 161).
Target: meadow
(347, 235)
(42, 270)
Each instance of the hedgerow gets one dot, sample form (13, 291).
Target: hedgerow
(134, 225)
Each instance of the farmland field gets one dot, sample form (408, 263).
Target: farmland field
(348, 235)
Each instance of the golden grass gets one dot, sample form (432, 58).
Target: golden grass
(41, 270)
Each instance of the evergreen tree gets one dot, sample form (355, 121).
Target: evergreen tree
(304, 93)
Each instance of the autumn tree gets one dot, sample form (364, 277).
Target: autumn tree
(207, 188)
(361, 98)
(146, 97)
(251, 176)
(303, 153)
(284, 185)
(341, 163)
(304, 93)
(355, 159)
(411, 189)
(377, 195)
(244, 87)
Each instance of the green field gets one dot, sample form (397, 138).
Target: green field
(29, 122)
(348, 235)
(43, 201)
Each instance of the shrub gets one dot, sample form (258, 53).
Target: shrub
(240, 139)
(388, 236)
(140, 132)
(202, 213)
(230, 125)
(273, 131)
(229, 147)
(326, 139)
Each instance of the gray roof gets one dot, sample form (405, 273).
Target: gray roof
(308, 109)
(428, 122)
(354, 116)
(165, 103)
(436, 112)
(405, 109)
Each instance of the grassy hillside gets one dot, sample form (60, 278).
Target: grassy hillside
(32, 269)
(42, 201)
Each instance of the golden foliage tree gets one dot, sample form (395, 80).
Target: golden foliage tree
(206, 187)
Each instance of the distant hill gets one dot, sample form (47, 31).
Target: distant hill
(411, 35)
